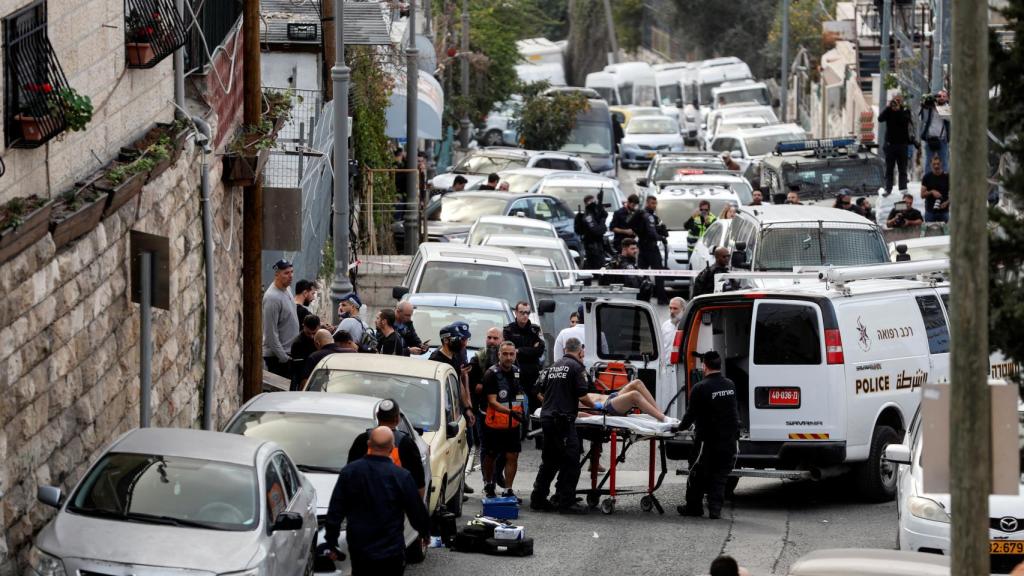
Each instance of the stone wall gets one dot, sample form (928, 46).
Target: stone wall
(69, 343)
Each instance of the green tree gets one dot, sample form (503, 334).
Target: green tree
(805, 19)
(629, 21)
(1006, 258)
(725, 29)
(545, 122)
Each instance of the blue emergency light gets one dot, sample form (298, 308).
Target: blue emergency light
(810, 145)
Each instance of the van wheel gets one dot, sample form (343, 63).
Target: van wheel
(455, 504)
(877, 478)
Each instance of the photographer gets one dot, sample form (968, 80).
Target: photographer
(904, 215)
(898, 131)
(935, 191)
(935, 126)
(698, 224)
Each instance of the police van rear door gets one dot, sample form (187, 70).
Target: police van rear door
(628, 332)
(788, 396)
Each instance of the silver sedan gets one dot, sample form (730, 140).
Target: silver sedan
(165, 501)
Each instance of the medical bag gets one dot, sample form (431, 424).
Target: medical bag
(502, 507)
(496, 547)
(612, 376)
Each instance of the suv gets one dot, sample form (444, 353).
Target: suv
(821, 168)
(664, 168)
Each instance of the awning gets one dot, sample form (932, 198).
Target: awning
(427, 59)
(429, 111)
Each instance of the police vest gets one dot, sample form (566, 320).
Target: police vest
(501, 420)
(399, 436)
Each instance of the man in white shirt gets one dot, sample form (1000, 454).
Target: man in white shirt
(570, 332)
(669, 327)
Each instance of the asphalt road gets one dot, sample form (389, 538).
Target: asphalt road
(769, 525)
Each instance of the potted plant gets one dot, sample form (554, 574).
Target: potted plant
(124, 181)
(77, 212)
(139, 36)
(248, 153)
(74, 107)
(34, 127)
(23, 221)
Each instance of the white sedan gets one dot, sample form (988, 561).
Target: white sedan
(924, 518)
(646, 136)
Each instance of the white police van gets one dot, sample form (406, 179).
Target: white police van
(827, 372)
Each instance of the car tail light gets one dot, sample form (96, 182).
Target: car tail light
(833, 346)
(676, 342)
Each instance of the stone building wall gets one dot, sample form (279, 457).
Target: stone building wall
(69, 343)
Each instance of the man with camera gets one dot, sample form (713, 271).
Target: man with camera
(935, 191)
(904, 215)
(935, 126)
(699, 222)
(898, 131)
(649, 231)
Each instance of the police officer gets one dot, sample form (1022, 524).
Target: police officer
(649, 231)
(714, 411)
(503, 418)
(626, 260)
(529, 343)
(565, 386)
(590, 225)
(620, 221)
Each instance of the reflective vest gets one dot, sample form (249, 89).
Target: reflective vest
(399, 436)
(501, 420)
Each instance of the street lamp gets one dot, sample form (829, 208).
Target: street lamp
(340, 74)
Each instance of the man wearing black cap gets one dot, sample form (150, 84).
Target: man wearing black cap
(280, 321)
(713, 408)
(406, 451)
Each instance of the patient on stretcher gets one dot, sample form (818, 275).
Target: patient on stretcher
(624, 400)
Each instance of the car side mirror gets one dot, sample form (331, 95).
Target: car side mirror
(897, 453)
(287, 522)
(451, 429)
(739, 259)
(49, 495)
(545, 307)
(641, 181)
(398, 292)
(901, 253)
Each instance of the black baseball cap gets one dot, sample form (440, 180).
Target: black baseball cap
(282, 264)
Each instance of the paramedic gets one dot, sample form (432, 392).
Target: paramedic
(564, 385)
(503, 418)
(714, 410)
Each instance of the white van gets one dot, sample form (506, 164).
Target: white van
(748, 147)
(743, 91)
(635, 83)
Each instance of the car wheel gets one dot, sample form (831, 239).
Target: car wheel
(493, 138)
(876, 477)
(455, 504)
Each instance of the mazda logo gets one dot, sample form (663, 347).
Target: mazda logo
(1008, 524)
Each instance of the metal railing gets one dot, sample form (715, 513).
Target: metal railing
(215, 19)
(153, 30)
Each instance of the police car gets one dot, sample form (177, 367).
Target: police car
(821, 168)
(667, 165)
(676, 204)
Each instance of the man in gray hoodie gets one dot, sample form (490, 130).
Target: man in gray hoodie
(280, 321)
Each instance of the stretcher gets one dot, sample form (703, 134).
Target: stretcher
(624, 431)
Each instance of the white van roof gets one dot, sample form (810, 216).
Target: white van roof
(773, 214)
(818, 288)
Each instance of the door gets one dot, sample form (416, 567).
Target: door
(937, 331)
(301, 503)
(628, 332)
(788, 391)
(279, 556)
(456, 449)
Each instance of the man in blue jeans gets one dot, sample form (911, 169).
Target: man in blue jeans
(935, 192)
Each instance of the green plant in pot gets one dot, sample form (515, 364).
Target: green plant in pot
(76, 108)
(12, 214)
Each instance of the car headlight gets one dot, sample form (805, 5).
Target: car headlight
(928, 509)
(45, 564)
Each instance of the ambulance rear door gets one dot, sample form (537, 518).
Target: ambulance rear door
(628, 332)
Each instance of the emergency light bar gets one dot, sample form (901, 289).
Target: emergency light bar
(894, 270)
(819, 144)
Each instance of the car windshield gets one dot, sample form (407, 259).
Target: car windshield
(823, 180)
(669, 169)
(590, 138)
(475, 280)
(483, 164)
(293, 431)
(543, 277)
(430, 319)
(418, 397)
(651, 125)
(759, 95)
(764, 145)
(519, 183)
(674, 212)
(465, 209)
(573, 195)
(484, 229)
(169, 490)
(556, 256)
(705, 91)
(670, 94)
(607, 93)
(782, 248)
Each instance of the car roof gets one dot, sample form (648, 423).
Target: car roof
(443, 300)
(520, 221)
(817, 288)
(870, 562)
(555, 154)
(536, 261)
(710, 178)
(769, 130)
(449, 252)
(513, 241)
(347, 405)
(190, 443)
(501, 152)
(770, 213)
(528, 171)
(589, 181)
(385, 364)
(508, 196)
(697, 191)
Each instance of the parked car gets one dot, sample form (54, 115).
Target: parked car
(923, 248)
(450, 218)
(509, 226)
(433, 311)
(480, 163)
(676, 204)
(573, 188)
(293, 419)
(541, 271)
(172, 500)
(551, 248)
(429, 395)
(646, 136)
(522, 179)
(559, 161)
(666, 166)
(748, 147)
(731, 180)
(497, 129)
(869, 562)
(716, 235)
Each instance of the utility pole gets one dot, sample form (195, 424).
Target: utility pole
(883, 70)
(465, 73)
(428, 19)
(610, 19)
(784, 83)
(340, 74)
(252, 213)
(327, 38)
(412, 188)
(970, 432)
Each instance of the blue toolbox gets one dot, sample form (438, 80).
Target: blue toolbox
(502, 507)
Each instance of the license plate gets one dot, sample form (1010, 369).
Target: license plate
(1015, 547)
(784, 397)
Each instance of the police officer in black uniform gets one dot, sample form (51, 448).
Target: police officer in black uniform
(649, 231)
(529, 343)
(590, 225)
(565, 385)
(626, 260)
(714, 410)
(620, 222)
